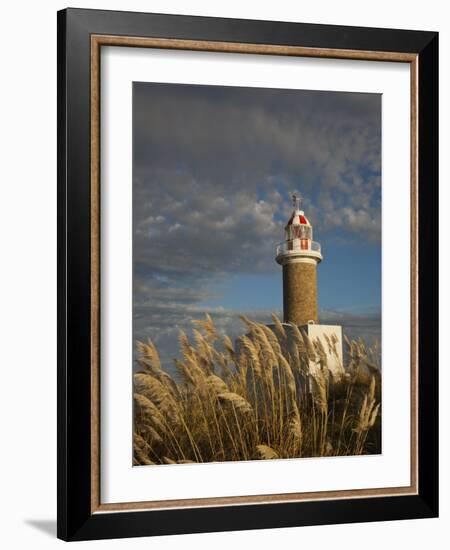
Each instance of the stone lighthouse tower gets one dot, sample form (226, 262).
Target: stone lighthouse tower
(299, 256)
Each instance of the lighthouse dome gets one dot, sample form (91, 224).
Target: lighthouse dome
(298, 218)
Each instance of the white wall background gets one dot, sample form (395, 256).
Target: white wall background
(28, 274)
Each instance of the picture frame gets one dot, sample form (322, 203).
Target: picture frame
(81, 36)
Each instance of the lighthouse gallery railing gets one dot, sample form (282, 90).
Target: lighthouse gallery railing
(297, 245)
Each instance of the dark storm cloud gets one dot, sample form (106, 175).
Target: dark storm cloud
(242, 134)
(214, 166)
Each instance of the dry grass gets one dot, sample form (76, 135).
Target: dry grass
(257, 399)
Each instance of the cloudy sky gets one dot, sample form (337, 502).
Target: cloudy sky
(213, 172)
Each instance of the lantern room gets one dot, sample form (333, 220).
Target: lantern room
(298, 229)
(298, 235)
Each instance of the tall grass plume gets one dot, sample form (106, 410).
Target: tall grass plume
(257, 398)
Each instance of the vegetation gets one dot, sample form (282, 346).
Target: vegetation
(270, 395)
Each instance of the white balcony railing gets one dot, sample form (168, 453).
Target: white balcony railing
(298, 246)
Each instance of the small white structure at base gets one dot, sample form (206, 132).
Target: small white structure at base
(329, 337)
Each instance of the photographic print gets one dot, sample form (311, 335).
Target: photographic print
(256, 273)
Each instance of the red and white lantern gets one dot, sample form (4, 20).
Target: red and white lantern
(298, 230)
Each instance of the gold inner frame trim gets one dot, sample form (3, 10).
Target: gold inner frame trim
(97, 41)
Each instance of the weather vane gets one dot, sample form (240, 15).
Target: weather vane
(296, 200)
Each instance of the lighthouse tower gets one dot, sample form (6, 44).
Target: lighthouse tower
(299, 256)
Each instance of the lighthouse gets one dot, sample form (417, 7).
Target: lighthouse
(299, 256)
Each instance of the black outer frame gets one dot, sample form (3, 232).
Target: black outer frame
(75, 521)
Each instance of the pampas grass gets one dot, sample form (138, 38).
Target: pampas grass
(257, 398)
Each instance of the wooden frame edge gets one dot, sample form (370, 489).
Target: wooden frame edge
(261, 49)
(254, 499)
(249, 48)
